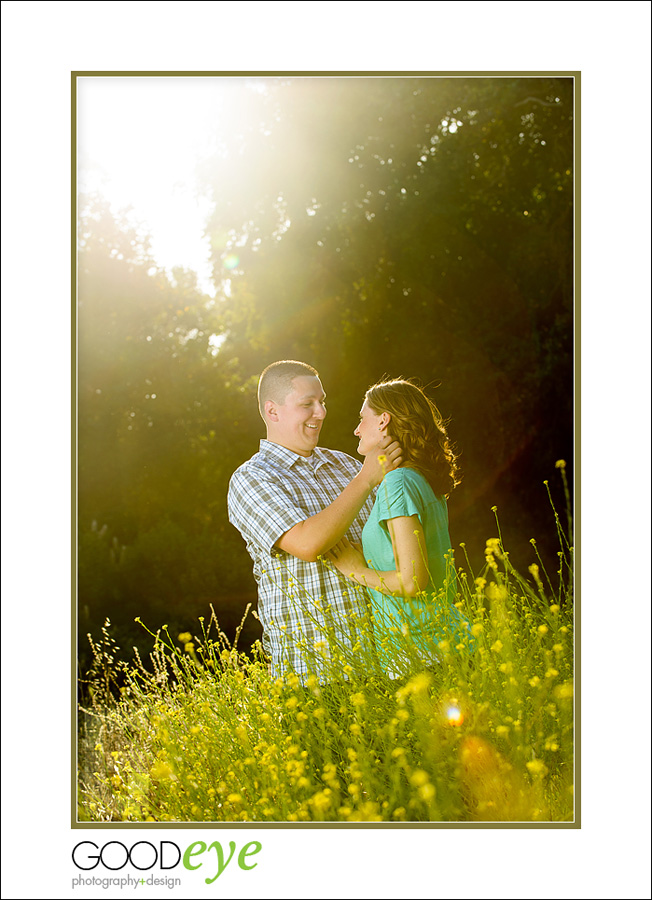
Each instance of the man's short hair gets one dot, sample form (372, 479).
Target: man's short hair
(276, 381)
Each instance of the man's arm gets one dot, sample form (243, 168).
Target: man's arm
(316, 535)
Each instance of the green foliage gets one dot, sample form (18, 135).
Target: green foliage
(165, 574)
(148, 387)
(159, 423)
(485, 733)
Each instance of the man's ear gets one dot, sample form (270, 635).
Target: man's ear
(271, 411)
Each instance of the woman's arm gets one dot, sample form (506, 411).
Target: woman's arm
(411, 574)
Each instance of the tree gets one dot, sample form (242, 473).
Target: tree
(411, 226)
(158, 416)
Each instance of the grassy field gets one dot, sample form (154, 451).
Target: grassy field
(480, 732)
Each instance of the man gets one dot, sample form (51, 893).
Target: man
(293, 501)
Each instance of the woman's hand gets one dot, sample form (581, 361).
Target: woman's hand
(348, 559)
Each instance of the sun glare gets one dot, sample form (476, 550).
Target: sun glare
(454, 715)
(139, 140)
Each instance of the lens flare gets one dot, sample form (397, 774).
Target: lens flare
(454, 715)
(231, 261)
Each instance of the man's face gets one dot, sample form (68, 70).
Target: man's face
(297, 422)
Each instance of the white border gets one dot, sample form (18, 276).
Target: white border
(608, 42)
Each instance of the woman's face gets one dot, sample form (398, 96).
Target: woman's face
(371, 429)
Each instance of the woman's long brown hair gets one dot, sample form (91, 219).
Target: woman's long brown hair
(419, 427)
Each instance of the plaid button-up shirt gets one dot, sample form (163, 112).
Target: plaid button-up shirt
(306, 608)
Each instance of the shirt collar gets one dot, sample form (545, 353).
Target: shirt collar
(289, 458)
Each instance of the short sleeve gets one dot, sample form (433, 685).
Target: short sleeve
(261, 508)
(398, 496)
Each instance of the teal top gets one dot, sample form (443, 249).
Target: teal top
(431, 617)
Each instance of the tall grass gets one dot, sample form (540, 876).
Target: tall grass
(482, 730)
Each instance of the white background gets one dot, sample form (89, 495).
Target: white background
(609, 44)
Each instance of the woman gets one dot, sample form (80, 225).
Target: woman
(405, 541)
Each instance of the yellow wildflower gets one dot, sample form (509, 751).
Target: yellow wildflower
(160, 770)
(419, 777)
(427, 792)
(493, 547)
(321, 800)
(564, 691)
(421, 682)
(537, 768)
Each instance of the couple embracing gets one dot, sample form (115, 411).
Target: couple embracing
(336, 543)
